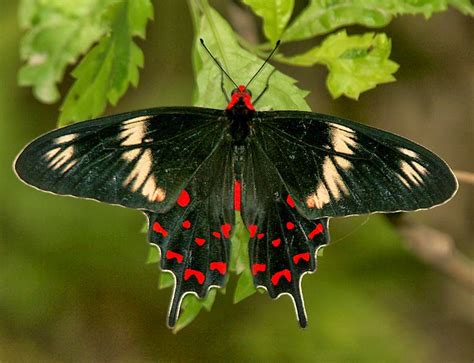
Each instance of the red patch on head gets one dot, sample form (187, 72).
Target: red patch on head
(277, 276)
(183, 199)
(290, 225)
(159, 229)
(219, 266)
(197, 274)
(276, 242)
(186, 224)
(216, 234)
(302, 256)
(226, 228)
(237, 195)
(199, 241)
(252, 229)
(290, 201)
(317, 230)
(260, 235)
(170, 255)
(258, 267)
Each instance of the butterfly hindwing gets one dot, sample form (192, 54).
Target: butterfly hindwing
(334, 167)
(194, 235)
(283, 244)
(141, 159)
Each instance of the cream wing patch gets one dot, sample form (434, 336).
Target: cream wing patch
(62, 159)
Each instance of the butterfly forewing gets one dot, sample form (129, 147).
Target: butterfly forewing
(141, 159)
(334, 167)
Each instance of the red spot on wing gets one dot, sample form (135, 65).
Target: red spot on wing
(170, 255)
(302, 256)
(290, 201)
(197, 274)
(216, 234)
(290, 225)
(237, 195)
(199, 241)
(317, 230)
(276, 242)
(260, 235)
(159, 229)
(186, 224)
(226, 228)
(277, 276)
(183, 199)
(219, 266)
(258, 267)
(252, 229)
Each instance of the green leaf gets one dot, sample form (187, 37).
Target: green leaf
(111, 66)
(464, 6)
(239, 63)
(166, 280)
(58, 32)
(275, 14)
(324, 16)
(191, 307)
(153, 255)
(245, 286)
(356, 63)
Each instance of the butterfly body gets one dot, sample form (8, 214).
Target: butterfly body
(191, 169)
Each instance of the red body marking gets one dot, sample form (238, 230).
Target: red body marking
(197, 274)
(302, 256)
(237, 195)
(219, 266)
(186, 224)
(226, 228)
(258, 267)
(199, 241)
(183, 199)
(277, 276)
(252, 229)
(260, 235)
(159, 229)
(241, 94)
(216, 234)
(170, 255)
(276, 242)
(290, 225)
(317, 230)
(290, 201)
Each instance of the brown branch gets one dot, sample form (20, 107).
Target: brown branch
(437, 249)
(464, 176)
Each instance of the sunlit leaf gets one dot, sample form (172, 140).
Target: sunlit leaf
(191, 307)
(275, 15)
(153, 255)
(356, 63)
(323, 16)
(166, 280)
(111, 66)
(245, 286)
(58, 32)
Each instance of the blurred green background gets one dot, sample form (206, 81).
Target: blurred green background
(73, 284)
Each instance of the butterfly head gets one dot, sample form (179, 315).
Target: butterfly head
(241, 98)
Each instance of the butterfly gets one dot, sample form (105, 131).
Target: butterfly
(190, 169)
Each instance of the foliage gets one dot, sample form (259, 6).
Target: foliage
(58, 32)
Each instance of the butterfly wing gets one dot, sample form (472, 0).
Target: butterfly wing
(334, 167)
(283, 243)
(141, 159)
(194, 235)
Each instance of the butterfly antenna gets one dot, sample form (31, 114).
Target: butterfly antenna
(217, 62)
(264, 63)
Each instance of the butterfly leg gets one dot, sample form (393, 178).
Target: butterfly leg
(265, 88)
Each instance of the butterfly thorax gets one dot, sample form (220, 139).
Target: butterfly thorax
(240, 111)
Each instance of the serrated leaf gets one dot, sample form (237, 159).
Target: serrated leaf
(58, 32)
(153, 255)
(244, 287)
(111, 66)
(166, 279)
(356, 63)
(275, 15)
(323, 16)
(241, 65)
(191, 307)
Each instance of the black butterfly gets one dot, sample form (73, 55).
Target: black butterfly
(189, 169)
